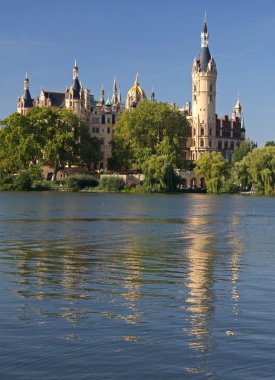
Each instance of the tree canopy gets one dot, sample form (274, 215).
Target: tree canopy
(150, 138)
(246, 147)
(257, 170)
(55, 136)
(215, 169)
(150, 129)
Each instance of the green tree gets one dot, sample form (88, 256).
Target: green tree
(61, 129)
(246, 147)
(90, 147)
(270, 143)
(258, 167)
(159, 174)
(215, 169)
(55, 136)
(150, 129)
(18, 144)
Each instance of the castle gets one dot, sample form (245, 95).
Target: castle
(208, 132)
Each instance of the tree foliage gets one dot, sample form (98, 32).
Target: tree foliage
(159, 174)
(55, 136)
(150, 129)
(270, 143)
(257, 170)
(246, 147)
(150, 137)
(215, 169)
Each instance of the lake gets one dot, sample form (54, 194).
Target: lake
(123, 286)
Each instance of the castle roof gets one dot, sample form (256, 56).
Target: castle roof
(205, 55)
(204, 58)
(28, 101)
(57, 98)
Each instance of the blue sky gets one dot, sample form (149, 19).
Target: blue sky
(157, 38)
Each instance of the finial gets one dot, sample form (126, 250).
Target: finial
(27, 75)
(205, 17)
(136, 81)
(75, 64)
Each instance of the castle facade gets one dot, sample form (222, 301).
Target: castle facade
(208, 132)
(100, 115)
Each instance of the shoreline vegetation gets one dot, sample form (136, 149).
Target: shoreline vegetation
(149, 139)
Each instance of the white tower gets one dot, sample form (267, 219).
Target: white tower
(204, 76)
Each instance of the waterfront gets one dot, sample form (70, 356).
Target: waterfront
(119, 286)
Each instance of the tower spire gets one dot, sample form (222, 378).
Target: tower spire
(102, 95)
(204, 34)
(136, 80)
(114, 96)
(75, 70)
(26, 82)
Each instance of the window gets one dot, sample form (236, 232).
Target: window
(202, 131)
(108, 120)
(95, 120)
(211, 88)
(210, 98)
(93, 130)
(210, 131)
(195, 88)
(219, 145)
(226, 145)
(108, 130)
(195, 98)
(103, 119)
(202, 142)
(232, 145)
(194, 131)
(210, 143)
(97, 130)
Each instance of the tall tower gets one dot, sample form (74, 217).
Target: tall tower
(204, 76)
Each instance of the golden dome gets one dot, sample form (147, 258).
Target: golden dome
(135, 95)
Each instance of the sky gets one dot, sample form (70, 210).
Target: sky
(156, 38)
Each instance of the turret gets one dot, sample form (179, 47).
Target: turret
(75, 83)
(25, 102)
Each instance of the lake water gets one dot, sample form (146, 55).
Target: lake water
(121, 286)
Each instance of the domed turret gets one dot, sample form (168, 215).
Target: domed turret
(135, 95)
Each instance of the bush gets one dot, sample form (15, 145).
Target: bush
(22, 181)
(79, 182)
(6, 187)
(111, 183)
(9, 178)
(41, 186)
(35, 173)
